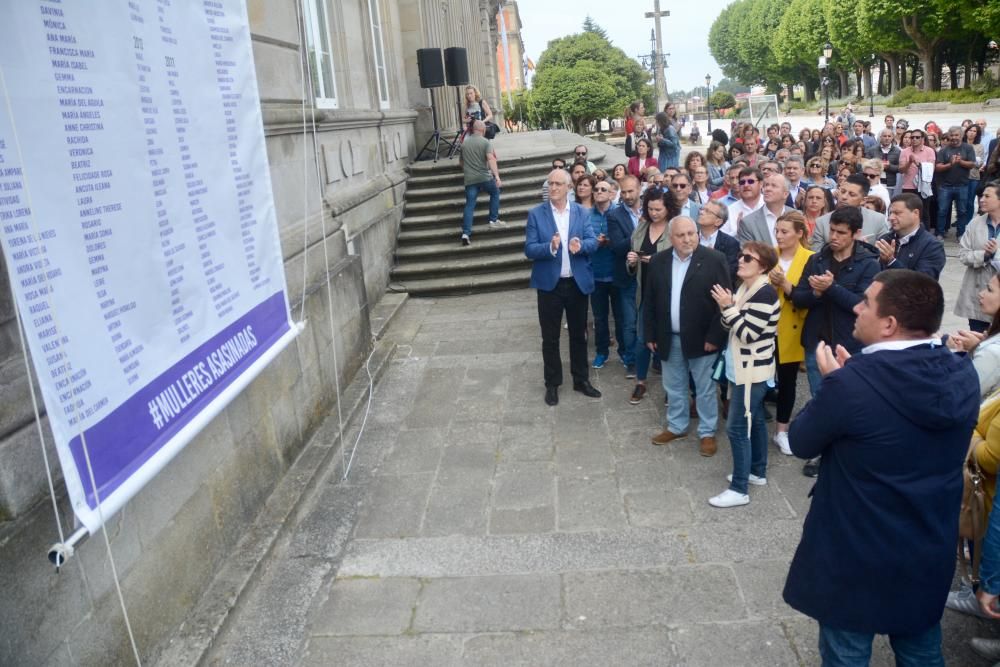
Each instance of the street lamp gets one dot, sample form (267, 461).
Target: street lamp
(827, 54)
(708, 97)
(871, 90)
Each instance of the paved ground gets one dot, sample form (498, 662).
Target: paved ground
(479, 526)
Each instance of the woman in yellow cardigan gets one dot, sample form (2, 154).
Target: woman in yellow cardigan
(793, 251)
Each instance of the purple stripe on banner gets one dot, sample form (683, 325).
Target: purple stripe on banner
(123, 441)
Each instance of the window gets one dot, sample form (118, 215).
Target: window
(319, 50)
(381, 80)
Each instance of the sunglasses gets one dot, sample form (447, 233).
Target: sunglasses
(748, 181)
(747, 258)
(584, 154)
(602, 189)
(681, 186)
(872, 176)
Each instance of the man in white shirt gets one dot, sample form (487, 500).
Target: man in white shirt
(751, 180)
(759, 225)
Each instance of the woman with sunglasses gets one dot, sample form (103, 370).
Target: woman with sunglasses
(650, 237)
(872, 170)
(816, 170)
(793, 237)
(751, 315)
(643, 158)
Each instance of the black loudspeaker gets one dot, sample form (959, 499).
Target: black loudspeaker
(430, 68)
(456, 64)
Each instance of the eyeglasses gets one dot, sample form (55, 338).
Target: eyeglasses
(872, 176)
(748, 181)
(747, 257)
(602, 189)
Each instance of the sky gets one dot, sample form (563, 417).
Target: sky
(685, 31)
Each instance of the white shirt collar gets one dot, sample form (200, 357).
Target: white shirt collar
(909, 237)
(899, 344)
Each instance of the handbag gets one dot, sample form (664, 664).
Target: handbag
(972, 517)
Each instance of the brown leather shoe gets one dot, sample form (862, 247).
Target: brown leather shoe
(708, 446)
(665, 437)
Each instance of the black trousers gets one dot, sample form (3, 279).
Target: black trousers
(565, 297)
(788, 375)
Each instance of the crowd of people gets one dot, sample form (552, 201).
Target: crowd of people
(765, 256)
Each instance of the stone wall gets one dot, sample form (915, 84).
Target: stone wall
(339, 188)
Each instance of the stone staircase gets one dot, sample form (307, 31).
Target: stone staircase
(430, 259)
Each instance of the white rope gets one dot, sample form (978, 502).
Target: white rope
(305, 173)
(38, 419)
(326, 256)
(368, 409)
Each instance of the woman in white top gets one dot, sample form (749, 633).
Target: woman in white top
(978, 251)
(984, 346)
(476, 107)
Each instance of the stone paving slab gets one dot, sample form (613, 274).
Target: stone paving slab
(484, 527)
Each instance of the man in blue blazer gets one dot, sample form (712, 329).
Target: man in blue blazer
(559, 240)
(892, 424)
(622, 223)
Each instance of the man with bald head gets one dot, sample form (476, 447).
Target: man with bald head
(559, 240)
(682, 323)
(479, 166)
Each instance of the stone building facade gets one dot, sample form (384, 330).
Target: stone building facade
(339, 187)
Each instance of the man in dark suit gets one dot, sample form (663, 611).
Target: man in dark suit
(711, 217)
(559, 240)
(759, 225)
(682, 323)
(909, 245)
(622, 222)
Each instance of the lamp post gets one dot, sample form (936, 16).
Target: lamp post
(708, 98)
(827, 54)
(871, 91)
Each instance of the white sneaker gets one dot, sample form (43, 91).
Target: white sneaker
(494, 224)
(964, 602)
(753, 479)
(729, 498)
(781, 440)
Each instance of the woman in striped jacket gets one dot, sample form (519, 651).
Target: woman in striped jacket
(751, 315)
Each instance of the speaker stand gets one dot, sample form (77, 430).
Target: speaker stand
(463, 128)
(436, 137)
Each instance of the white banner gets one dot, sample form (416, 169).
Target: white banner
(137, 225)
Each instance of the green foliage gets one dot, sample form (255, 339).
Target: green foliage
(589, 25)
(722, 99)
(517, 105)
(580, 78)
(913, 95)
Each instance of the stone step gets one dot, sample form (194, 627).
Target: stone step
(530, 183)
(455, 177)
(517, 278)
(457, 202)
(452, 230)
(484, 241)
(451, 217)
(381, 316)
(460, 264)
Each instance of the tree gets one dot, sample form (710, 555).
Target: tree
(602, 63)
(722, 99)
(850, 50)
(722, 42)
(801, 34)
(576, 95)
(589, 25)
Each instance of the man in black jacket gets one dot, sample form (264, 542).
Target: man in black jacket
(833, 281)
(682, 323)
(909, 245)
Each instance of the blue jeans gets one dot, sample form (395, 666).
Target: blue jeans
(625, 322)
(602, 302)
(959, 194)
(676, 370)
(812, 371)
(749, 448)
(471, 192)
(841, 648)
